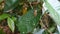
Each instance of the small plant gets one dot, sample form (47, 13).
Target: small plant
(29, 17)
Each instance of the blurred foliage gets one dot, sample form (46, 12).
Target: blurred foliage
(27, 17)
(1, 31)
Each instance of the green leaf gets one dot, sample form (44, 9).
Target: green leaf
(53, 13)
(10, 4)
(28, 22)
(14, 18)
(3, 16)
(11, 24)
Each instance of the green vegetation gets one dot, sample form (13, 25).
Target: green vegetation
(27, 17)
